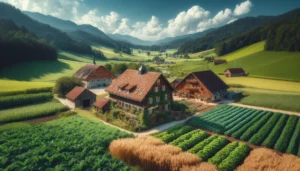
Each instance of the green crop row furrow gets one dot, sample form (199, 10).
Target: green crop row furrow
(202, 144)
(212, 148)
(175, 134)
(176, 127)
(196, 138)
(184, 137)
(223, 154)
(236, 119)
(294, 143)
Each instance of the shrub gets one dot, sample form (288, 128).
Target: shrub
(144, 119)
(223, 154)
(255, 127)
(260, 136)
(275, 133)
(284, 139)
(202, 144)
(213, 147)
(133, 110)
(23, 99)
(293, 146)
(64, 85)
(234, 158)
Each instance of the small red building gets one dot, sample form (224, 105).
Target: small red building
(234, 72)
(80, 97)
(203, 85)
(102, 104)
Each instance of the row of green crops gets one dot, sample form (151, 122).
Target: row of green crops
(272, 130)
(169, 136)
(214, 149)
(27, 91)
(73, 143)
(23, 99)
(33, 111)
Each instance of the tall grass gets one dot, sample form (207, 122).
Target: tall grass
(265, 159)
(23, 99)
(33, 111)
(152, 154)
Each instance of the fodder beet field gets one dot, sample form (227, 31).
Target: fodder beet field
(217, 150)
(73, 143)
(272, 130)
(32, 111)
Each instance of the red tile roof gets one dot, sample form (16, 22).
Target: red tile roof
(236, 70)
(84, 72)
(75, 92)
(100, 103)
(140, 84)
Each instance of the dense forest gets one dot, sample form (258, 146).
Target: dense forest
(15, 42)
(54, 36)
(282, 35)
(211, 39)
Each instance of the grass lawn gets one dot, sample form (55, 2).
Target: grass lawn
(12, 85)
(72, 143)
(31, 111)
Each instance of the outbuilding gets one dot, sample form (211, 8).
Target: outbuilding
(102, 104)
(234, 72)
(80, 97)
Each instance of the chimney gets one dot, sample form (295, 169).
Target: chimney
(142, 70)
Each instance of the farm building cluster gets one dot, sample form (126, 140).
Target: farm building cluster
(145, 90)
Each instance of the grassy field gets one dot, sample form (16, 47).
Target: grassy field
(12, 85)
(31, 111)
(73, 143)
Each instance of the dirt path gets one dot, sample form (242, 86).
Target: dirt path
(267, 109)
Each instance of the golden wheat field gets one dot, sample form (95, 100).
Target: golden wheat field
(152, 154)
(262, 159)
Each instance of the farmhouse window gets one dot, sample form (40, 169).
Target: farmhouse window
(167, 107)
(150, 100)
(120, 89)
(156, 89)
(163, 88)
(166, 96)
(157, 99)
(158, 81)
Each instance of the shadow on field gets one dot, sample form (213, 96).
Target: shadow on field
(33, 70)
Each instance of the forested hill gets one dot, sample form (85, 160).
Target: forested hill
(15, 42)
(280, 35)
(54, 36)
(212, 38)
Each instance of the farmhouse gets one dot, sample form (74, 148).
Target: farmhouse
(102, 104)
(93, 76)
(203, 85)
(143, 90)
(80, 97)
(219, 61)
(234, 72)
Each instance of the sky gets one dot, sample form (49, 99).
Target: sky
(155, 19)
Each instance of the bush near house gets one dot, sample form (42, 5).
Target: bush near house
(64, 85)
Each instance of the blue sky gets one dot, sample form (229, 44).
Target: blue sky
(155, 19)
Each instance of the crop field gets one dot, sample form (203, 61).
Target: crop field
(272, 130)
(72, 143)
(7, 86)
(31, 111)
(217, 150)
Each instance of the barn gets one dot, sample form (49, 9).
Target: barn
(80, 97)
(203, 85)
(94, 76)
(234, 72)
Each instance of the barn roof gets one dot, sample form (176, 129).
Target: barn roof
(139, 85)
(236, 70)
(75, 92)
(86, 70)
(210, 80)
(177, 80)
(100, 103)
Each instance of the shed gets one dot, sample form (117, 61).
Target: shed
(102, 104)
(80, 97)
(234, 72)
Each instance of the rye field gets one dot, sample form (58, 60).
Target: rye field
(272, 130)
(72, 143)
(214, 149)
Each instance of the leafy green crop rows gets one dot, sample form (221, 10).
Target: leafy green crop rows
(23, 99)
(33, 111)
(169, 136)
(73, 143)
(273, 130)
(213, 149)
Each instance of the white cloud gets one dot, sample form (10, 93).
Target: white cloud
(190, 21)
(243, 8)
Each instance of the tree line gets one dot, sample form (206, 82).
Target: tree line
(19, 45)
